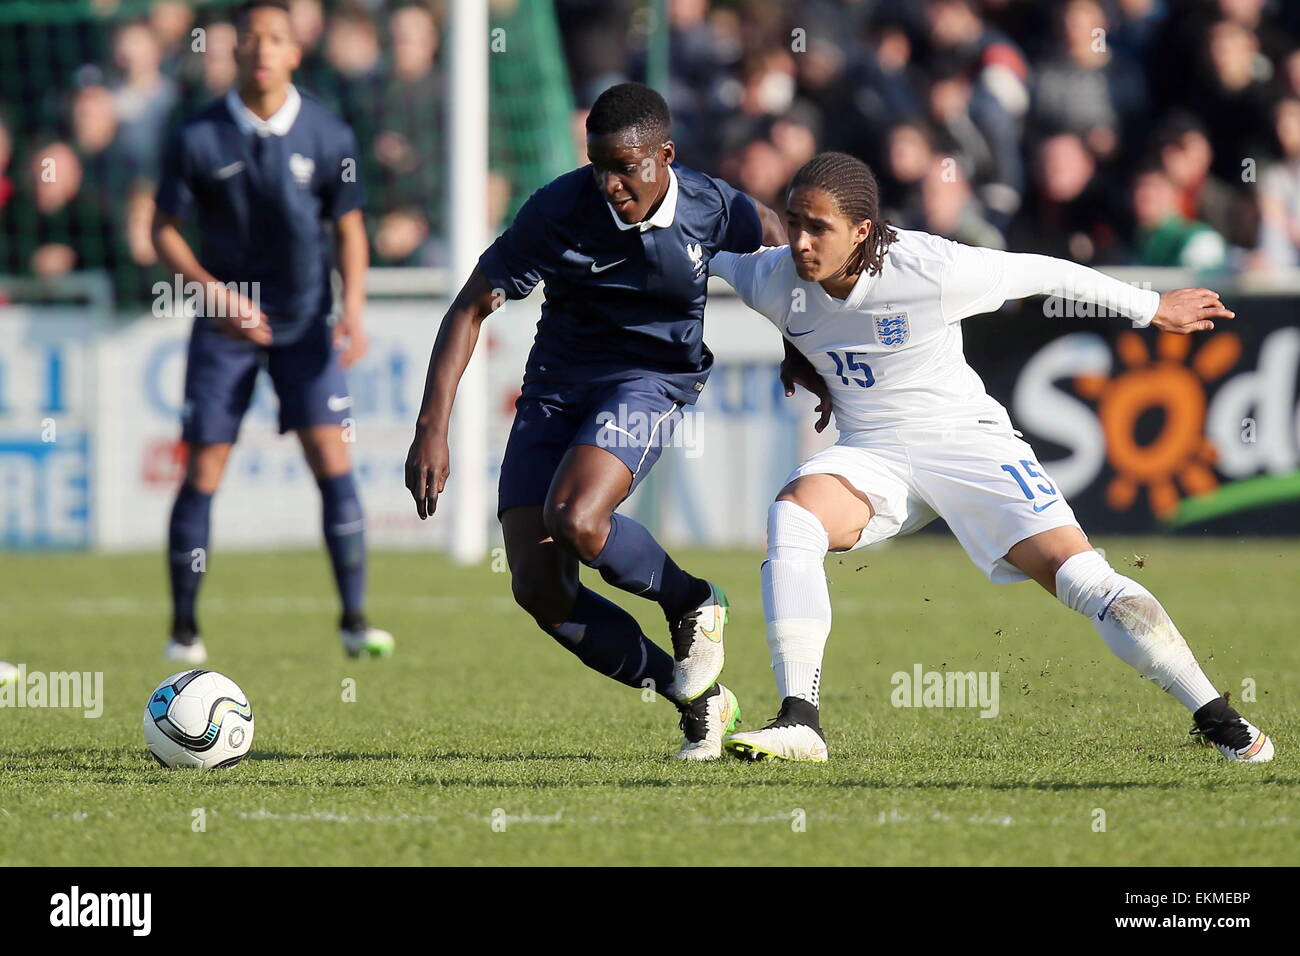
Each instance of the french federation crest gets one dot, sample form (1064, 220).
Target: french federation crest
(697, 257)
(302, 168)
(892, 329)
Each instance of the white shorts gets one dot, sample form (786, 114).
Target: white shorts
(984, 482)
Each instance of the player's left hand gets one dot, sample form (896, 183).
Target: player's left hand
(350, 335)
(1190, 310)
(797, 370)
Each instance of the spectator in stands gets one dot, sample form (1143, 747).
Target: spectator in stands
(6, 156)
(975, 129)
(356, 70)
(957, 30)
(60, 225)
(762, 172)
(144, 96)
(1071, 214)
(1087, 87)
(408, 123)
(1279, 194)
(1186, 156)
(171, 22)
(948, 208)
(219, 67)
(1289, 74)
(308, 23)
(795, 136)
(696, 56)
(1236, 104)
(909, 155)
(1137, 28)
(1166, 237)
(877, 85)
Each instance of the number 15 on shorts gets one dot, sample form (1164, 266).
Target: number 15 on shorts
(1045, 486)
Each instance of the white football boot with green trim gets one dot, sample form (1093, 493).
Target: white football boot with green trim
(705, 722)
(697, 646)
(367, 642)
(794, 734)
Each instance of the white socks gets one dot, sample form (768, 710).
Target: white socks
(796, 602)
(1134, 626)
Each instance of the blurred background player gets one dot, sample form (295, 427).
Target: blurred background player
(623, 246)
(265, 167)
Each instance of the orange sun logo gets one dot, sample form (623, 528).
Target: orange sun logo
(1181, 454)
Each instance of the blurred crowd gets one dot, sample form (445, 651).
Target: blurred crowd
(80, 193)
(1158, 132)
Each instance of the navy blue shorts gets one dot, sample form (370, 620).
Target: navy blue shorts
(220, 373)
(632, 420)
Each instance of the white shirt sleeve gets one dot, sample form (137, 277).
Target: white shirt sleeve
(749, 274)
(979, 280)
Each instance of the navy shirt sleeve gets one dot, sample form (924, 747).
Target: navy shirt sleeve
(175, 195)
(516, 261)
(741, 229)
(342, 191)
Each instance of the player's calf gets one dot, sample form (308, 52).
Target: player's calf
(1139, 632)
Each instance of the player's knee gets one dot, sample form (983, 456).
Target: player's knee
(793, 528)
(206, 465)
(581, 528)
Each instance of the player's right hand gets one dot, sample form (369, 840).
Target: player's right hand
(428, 465)
(799, 371)
(244, 320)
(1190, 310)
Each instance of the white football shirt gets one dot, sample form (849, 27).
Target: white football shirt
(891, 352)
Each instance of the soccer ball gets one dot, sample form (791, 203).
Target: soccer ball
(8, 673)
(198, 719)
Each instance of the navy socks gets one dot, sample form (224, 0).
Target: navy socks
(187, 555)
(607, 639)
(345, 537)
(634, 561)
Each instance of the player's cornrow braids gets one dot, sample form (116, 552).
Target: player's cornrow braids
(853, 188)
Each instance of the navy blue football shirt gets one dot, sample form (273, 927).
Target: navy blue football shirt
(622, 301)
(263, 190)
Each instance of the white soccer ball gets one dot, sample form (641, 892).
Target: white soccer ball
(198, 719)
(8, 673)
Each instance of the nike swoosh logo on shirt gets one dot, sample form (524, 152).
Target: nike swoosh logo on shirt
(795, 335)
(610, 265)
(1038, 508)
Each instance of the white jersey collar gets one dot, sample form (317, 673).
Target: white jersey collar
(278, 123)
(857, 295)
(663, 217)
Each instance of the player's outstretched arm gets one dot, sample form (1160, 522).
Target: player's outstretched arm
(980, 280)
(428, 463)
(240, 318)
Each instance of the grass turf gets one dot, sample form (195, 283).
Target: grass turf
(482, 742)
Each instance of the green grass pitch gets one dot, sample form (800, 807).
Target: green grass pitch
(482, 742)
